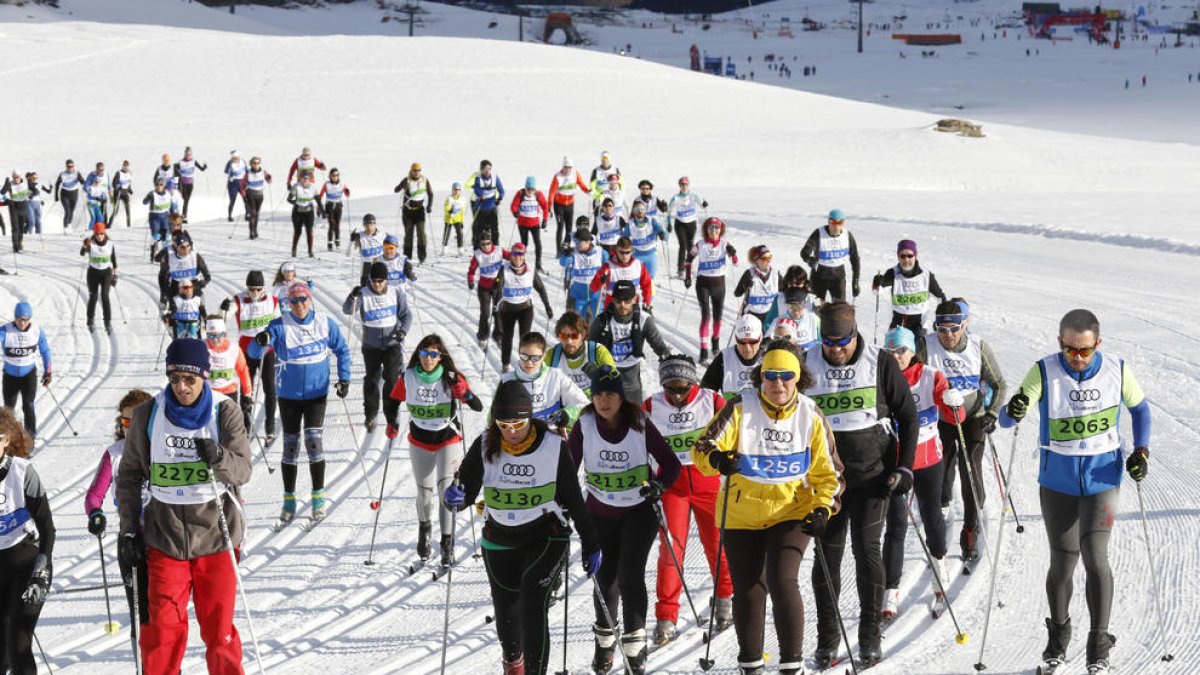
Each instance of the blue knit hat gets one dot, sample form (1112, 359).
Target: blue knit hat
(530, 182)
(188, 355)
(607, 378)
(23, 310)
(900, 338)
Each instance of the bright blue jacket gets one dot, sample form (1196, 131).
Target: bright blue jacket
(43, 349)
(487, 204)
(302, 382)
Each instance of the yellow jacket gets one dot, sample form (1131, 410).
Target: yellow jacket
(757, 506)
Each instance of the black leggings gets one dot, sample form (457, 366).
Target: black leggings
(254, 200)
(333, 214)
(98, 283)
(710, 291)
(268, 386)
(510, 318)
(17, 619)
(521, 580)
(185, 190)
(68, 198)
(686, 234)
(308, 415)
(487, 297)
(121, 198)
(536, 233)
(625, 546)
(761, 563)
(863, 515)
(458, 231)
(385, 363)
(564, 218)
(485, 220)
(302, 221)
(828, 280)
(414, 223)
(25, 386)
(953, 457)
(927, 489)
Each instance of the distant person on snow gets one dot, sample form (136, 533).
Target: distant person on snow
(911, 287)
(487, 192)
(416, 203)
(334, 194)
(562, 200)
(185, 169)
(23, 342)
(454, 215)
(683, 212)
(235, 171)
(101, 274)
(710, 255)
(828, 251)
(305, 162)
(530, 209)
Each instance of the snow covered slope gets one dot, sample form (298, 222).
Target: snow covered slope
(1024, 223)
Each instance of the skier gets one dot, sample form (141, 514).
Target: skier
(26, 547)
(66, 190)
(158, 201)
(305, 162)
(235, 171)
(166, 171)
(609, 226)
(911, 287)
(253, 183)
(285, 276)
(487, 192)
(187, 310)
(803, 323)
(575, 355)
(580, 264)
(857, 387)
(384, 312)
(622, 266)
(772, 447)
(23, 342)
(454, 215)
(433, 389)
(531, 211)
(1078, 393)
(334, 194)
(932, 395)
(794, 277)
(522, 547)
(827, 252)
(15, 193)
(487, 260)
(185, 169)
(711, 252)
(96, 188)
(93, 505)
(760, 284)
(681, 411)
(656, 208)
(785, 329)
(682, 213)
(227, 366)
(399, 267)
(600, 175)
(303, 198)
(369, 242)
(557, 400)
(972, 370)
(624, 331)
(562, 199)
(35, 202)
(181, 262)
(189, 446)
(614, 443)
(102, 274)
(730, 370)
(416, 203)
(255, 310)
(644, 234)
(303, 339)
(613, 190)
(514, 311)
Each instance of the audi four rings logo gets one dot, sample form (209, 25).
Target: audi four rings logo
(839, 374)
(518, 470)
(614, 455)
(180, 442)
(1080, 395)
(680, 417)
(777, 435)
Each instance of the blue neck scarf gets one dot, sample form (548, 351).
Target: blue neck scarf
(194, 416)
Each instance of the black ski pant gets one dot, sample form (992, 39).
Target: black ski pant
(385, 363)
(1075, 526)
(761, 563)
(267, 363)
(98, 284)
(710, 291)
(25, 386)
(307, 415)
(625, 547)
(536, 233)
(511, 318)
(829, 281)
(521, 580)
(485, 220)
(414, 219)
(631, 382)
(121, 197)
(927, 490)
(143, 597)
(487, 298)
(458, 233)
(254, 200)
(69, 199)
(185, 190)
(333, 214)
(863, 514)
(685, 233)
(953, 456)
(302, 221)
(19, 217)
(18, 620)
(564, 219)
(909, 321)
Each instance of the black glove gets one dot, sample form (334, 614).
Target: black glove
(989, 422)
(209, 451)
(46, 377)
(652, 490)
(356, 292)
(96, 523)
(113, 282)
(855, 289)
(247, 403)
(131, 552)
(549, 312)
(704, 205)
(647, 308)
(225, 305)
(900, 482)
(560, 419)
(470, 285)
(396, 337)
(412, 276)
(39, 582)
(726, 463)
(670, 227)
(687, 281)
(341, 388)
(876, 282)
(1018, 405)
(1137, 464)
(814, 523)
(263, 339)
(543, 224)
(429, 209)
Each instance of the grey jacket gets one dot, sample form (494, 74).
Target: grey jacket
(380, 338)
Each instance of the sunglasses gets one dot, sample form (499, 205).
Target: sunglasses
(749, 342)
(623, 301)
(124, 421)
(906, 256)
(949, 328)
(569, 336)
(773, 375)
(836, 222)
(837, 342)
(531, 358)
(898, 350)
(1078, 352)
(189, 380)
(513, 426)
(216, 336)
(429, 353)
(299, 299)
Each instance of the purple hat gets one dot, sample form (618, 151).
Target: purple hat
(907, 245)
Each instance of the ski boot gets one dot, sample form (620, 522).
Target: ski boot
(825, 657)
(633, 648)
(891, 603)
(756, 668)
(791, 668)
(319, 504)
(288, 512)
(606, 647)
(722, 614)
(664, 632)
(968, 541)
(108, 327)
(869, 651)
(370, 424)
(1099, 643)
(329, 246)
(424, 550)
(269, 433)
(716, 345)
(1055, 653)
(703, 356)
(91, 328)
(447, 544)
(941, 571)
(515, 667)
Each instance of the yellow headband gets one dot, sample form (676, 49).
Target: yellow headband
(781, 359)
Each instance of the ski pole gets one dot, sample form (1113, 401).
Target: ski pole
(359, 454)
(387, 452)
(237, 572)
(1162, 626)
(960, 636)
(1002, 479)
(611, 624)
(262, 450)
(979, 665)
(60, 411)
(449, 583)
(43, 653)
(566, 604)
(838, 610)
(136, 628)
(669, 542)
(111, 627)
(706, 662)
(875, 335)
(75, 304)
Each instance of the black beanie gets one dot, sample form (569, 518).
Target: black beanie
(255, 278)
(511, 402)
(379, 270)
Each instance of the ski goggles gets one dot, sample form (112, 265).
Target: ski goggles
(429, 353)
(568, 335)
(1078, 352)
(531, 358)
(514, 425)
(837, 342)
(773, 375)
(949, 328)
(124, 421)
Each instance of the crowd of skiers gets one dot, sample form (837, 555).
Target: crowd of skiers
(799, 432)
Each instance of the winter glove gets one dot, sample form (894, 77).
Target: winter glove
(263, 339)
(341, 388)
(396, 337)
(39, 582)
(814, 523)
(726, 463)
(131, 552)
(225, 305)
(900, 482)
(647, 308)
(952, 398)
(592, 561)
(209, 451)
(543, 224)
(356, 292)
(412, 276)
(96, 523)
(855, 288)
(46, 379)
(320, 212)
(670, 227)
(876, 282)
(549, 312)
(560, 419)
(113, 282)
(1018, 405)
(662, 236)
(455, 497)
(687, 281)
(429, 209)
(391, 431)
(247, 404)
(652, 490)
(704, 205)
(470, 285)
(989, 423)
(1137, 465)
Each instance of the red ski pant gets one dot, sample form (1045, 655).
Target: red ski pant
(172, 581)
(691, 492)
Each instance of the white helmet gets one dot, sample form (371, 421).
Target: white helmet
(567, 163)
(747, 327)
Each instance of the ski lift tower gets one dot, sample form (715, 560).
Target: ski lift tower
(860, 22)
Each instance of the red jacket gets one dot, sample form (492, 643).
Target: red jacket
(929, 452)
(527, 219)
(602, 279)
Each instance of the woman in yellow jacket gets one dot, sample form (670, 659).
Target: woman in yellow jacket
(454, 216)
(777, 457)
